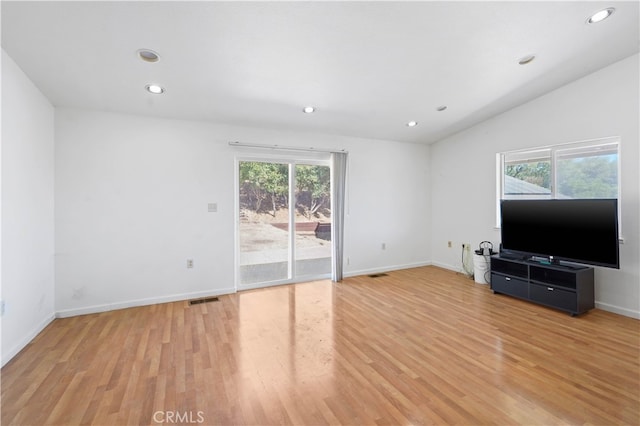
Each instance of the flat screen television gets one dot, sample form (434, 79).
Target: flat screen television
(580, 231)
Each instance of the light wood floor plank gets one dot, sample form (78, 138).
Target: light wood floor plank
(418, 346)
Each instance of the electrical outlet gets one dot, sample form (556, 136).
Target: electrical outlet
(449, 244)
(348, 261)
(384, 246)
(189, 263)
(2, 307)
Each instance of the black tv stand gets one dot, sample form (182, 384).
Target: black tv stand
(567, 287)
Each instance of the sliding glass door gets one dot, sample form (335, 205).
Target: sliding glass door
(312, 218)
(284, 226)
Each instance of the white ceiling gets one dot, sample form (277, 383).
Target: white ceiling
(368, 67)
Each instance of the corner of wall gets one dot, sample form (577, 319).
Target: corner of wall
(27, 210)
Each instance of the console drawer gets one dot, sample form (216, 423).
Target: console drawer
(509, 285)
(553, 296)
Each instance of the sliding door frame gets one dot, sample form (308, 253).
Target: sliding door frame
(292, 160)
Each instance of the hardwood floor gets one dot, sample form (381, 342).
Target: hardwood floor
(419, 346)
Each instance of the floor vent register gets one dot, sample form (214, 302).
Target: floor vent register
(205, 300)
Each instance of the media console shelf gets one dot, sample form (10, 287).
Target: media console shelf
(568, 288)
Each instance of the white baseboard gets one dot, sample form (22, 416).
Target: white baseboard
(452, 268)
(141, 302)
(446, 266)
(618, 310)
(27, 339)
(385, 269)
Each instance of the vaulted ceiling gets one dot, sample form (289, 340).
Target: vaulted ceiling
(368, 68)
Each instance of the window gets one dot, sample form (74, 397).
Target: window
(527, 174)
(577, 170)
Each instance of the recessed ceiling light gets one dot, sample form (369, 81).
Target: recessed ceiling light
(148, 55)
(601, 15)
(526, 60)
(308, 110)
(412, 124)
(154, 88)
(441, 108)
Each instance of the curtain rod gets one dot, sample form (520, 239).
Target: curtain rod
(288, 148)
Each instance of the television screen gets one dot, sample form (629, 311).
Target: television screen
(581, 231)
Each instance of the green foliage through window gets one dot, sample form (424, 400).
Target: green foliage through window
(260, 182)
(536, 173)
(313, 189)
(264, 188)
(591, 177)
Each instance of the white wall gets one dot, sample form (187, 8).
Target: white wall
(605, 103)
(132, 195)
(387, 202)
(27, 209)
